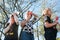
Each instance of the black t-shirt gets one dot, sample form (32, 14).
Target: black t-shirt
(51, 30)
(14, 29)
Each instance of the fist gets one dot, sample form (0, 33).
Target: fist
(56, 19)
(29, 13)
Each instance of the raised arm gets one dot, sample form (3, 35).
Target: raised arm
(11, 22)
(16, 18)
(7, 28)
(23, 23)
(35, 15)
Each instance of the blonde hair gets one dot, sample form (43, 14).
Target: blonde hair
(45, 11)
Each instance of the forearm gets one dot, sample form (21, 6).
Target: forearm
(7, 29)
(23, 23)
(16, 19)
(35, 15)
(48, 25)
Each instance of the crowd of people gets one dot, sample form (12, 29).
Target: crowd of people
(11, 29)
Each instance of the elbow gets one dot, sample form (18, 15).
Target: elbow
(47, 26)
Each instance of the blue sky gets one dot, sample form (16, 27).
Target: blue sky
(37, 6)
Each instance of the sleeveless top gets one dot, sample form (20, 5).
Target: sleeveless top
(51, 30)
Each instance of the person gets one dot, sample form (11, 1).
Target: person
(11, 29)
(49, 25)
(27, 27)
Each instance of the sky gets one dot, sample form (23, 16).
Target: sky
(36, 7)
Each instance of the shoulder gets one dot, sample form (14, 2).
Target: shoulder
(46, 18)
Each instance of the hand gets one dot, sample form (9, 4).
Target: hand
(56, 18)
(56, 22)
(29, 13)
(14, 14)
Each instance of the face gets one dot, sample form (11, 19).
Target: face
(29, 15)
(49, 13)
(12, 19)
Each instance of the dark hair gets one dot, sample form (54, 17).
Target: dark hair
(12, 16)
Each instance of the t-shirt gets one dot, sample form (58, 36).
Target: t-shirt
(14, 30)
